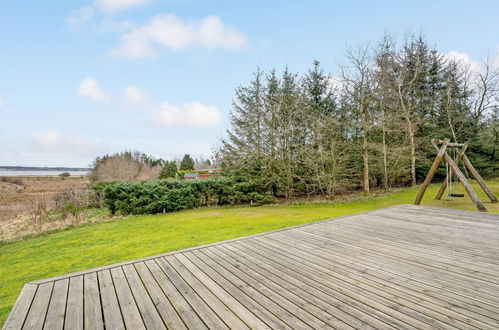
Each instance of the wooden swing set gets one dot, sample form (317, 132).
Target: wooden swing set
(452, 168)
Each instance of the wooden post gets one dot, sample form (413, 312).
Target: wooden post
(432, 171)
(458, 160)
(465, 183)
(478, 178)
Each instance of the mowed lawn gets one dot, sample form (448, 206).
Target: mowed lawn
(142, 236)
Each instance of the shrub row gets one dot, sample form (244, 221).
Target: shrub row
(149, 197)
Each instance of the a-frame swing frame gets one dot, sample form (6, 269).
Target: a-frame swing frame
(442, 154)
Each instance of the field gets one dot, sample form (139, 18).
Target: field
(19, 203)
(140, 236)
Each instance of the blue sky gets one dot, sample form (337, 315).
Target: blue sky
(83, 78)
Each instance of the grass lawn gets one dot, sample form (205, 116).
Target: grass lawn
(142, 236)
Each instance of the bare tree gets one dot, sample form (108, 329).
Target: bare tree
(358, 78)
(485, 98)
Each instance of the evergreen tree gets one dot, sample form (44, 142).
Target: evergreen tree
(169, 170)
(187, 163)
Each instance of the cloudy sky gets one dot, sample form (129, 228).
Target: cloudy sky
(85, 78)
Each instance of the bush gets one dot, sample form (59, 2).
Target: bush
(149, 197)
(13, 180)
(72, 196)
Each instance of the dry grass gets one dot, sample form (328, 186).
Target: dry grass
(25, 209)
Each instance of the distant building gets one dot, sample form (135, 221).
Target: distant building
(202, 174)
(190, 176)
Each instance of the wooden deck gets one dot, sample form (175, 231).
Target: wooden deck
(402, 267)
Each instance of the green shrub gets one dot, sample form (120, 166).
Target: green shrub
(149, 197)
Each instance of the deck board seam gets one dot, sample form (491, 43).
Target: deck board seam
(116, 294)
(29, 308)
(394, 291)
(369, 232)
(133, 296)
(426, 252)
(227, 280)
(191, 288)
(407, 260)
(242, 280)
(461, 278)
(272, 290)
(376, 267)
(150, 297)
(348, 296)
(178, 290)
(213, 293)
(326, 294)
(306, 270)
(256, 269)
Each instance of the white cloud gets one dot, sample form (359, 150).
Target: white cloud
(116, 5)
(90, 88)
(55, 140)
(192, 114)
(1, 102)
(135, 96)
(465, 60)
(166, 114)
(109, 25)
(79, 17)
(172, 32)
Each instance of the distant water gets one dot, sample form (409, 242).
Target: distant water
(40, 173)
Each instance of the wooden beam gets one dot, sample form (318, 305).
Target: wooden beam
(450, 144)
(478, 178)
(432, 171)
(458, 160)
(465, 183)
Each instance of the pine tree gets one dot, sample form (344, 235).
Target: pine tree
(169, 170)
(187, 163)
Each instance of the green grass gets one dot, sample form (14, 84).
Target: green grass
(141, 236)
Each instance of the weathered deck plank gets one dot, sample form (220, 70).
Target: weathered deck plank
(110, 306)
(57, 305)
(401, 267)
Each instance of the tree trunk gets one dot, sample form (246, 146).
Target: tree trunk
(385, 162)
(410, 130)
(365, 152)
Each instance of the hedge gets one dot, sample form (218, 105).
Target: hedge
(149, 197)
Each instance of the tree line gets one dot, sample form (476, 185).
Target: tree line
(367, 127)
(138, 166)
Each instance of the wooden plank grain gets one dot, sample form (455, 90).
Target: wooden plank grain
(223, 312)
(183, 308)
(21, 308)
(38, 310)
(129, 309)
(233, 304)
(341, 312)
(168, 313)
(260, 311)
(150, 315)
(211, 319)
(92, 306)
(309, 314)
(74, 304)
(446, 312)
(57, 305)
(110, 305)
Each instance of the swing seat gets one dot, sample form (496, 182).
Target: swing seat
(455, 195)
